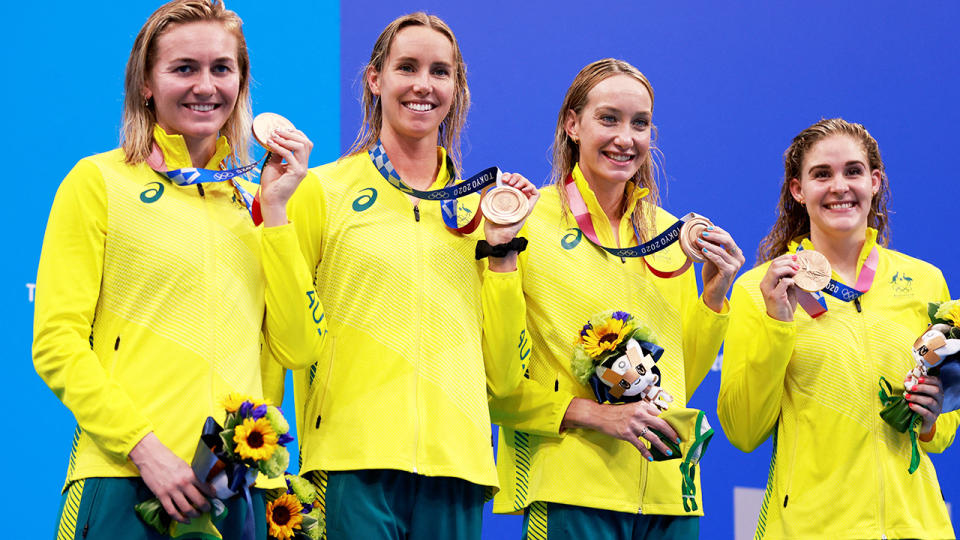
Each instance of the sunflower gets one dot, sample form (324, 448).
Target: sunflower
(604, 337)
(283, 516)
(255, 439)
(949, 311)
(232, 401)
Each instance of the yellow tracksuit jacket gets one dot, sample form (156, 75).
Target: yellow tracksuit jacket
(838, 470)
(151, 301)
(566, 280)
(418, 330)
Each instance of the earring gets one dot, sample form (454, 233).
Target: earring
(576, 140)
(146, 102)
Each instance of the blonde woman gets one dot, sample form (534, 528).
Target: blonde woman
(152, 295)
(393, 420)
(575, 467)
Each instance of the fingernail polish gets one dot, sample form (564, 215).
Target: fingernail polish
(705, 233)
(907, 395)
(704, 250)
(699, 240)
(710, 228)
(678, 440)
(649, 458)
(669, 452)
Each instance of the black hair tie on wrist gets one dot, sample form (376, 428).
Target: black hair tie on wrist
(484, 249)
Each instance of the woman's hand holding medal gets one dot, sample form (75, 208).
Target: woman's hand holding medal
(285, 169)
(722, 260)
(497, 233)
(778, 288)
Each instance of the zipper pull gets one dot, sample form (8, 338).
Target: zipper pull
(416, 212)
(200, 189)
(623, 260)
(856, 302)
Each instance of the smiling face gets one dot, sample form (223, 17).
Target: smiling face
(613, 130)
(416, 85)
(837, 187)
(194, 81)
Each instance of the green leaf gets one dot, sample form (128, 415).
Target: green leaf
(152, 513)
(228, 442)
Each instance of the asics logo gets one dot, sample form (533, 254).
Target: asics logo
(365, 200)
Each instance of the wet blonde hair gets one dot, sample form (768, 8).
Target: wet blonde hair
(451, 126)
(566, 153)
(140, 116)
(792, 218)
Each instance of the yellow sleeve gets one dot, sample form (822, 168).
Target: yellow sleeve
(529, 405)
(532, 408)
(947, 423)
(68, 288)
(703, 332)
(307, 212)
(506, 347)
(294, 325)
(755, 358)
(946, 431)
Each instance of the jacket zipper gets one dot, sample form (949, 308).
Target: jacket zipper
(208, 263)
(416, 393)
(644, 465)
(881, 499)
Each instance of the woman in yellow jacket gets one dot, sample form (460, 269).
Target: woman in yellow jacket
(809, 377)
(152, 293)
(578, 468)
(393, 420)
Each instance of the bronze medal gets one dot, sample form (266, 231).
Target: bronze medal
(504, 205)
(688, 237)
(814, 273)
(264, 125)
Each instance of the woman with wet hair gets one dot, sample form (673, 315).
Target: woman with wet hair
(426, 316)
(809, 377)
(576, 465)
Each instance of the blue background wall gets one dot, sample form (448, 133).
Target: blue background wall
(733, 84)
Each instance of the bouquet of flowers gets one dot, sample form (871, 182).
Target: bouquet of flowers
(935, 353)
(616, 355)
(295, 514)
(228, 458)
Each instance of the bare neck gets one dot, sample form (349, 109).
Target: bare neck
(415, 160)
(842, 252)
(201, 150)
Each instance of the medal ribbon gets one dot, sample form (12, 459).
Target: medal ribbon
(189, 176)
(447, 196)
(582, 214)
(815, 304)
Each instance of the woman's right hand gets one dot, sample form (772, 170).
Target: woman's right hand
(628, 422)
(170, 479)
(778, 288)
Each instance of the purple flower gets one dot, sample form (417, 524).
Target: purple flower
(306, 508)
(586, 327)
(620, 315)
(245, 409)
(259, 412)
(283, 439)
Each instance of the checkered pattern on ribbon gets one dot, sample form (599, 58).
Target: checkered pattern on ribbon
(447, 196)
(189, 176)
